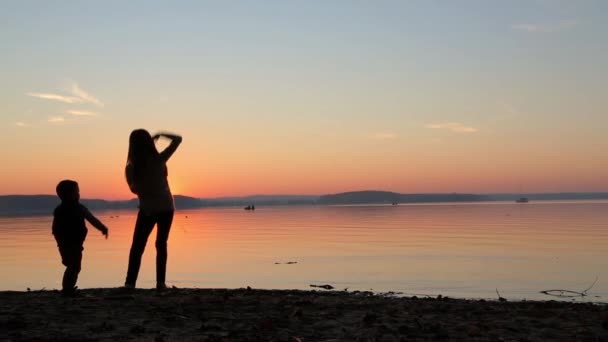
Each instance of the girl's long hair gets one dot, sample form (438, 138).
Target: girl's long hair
(141, 152)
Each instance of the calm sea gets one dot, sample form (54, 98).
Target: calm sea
(460, 250)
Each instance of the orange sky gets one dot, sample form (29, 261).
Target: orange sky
(456, 164)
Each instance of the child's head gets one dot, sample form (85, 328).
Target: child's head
(68, 191)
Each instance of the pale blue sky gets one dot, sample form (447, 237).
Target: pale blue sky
(459, 78)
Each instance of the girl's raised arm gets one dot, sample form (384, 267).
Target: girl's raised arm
(175, 141)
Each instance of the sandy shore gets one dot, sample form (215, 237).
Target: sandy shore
(282, 315)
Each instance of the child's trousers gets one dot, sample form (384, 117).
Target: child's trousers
(71, 257)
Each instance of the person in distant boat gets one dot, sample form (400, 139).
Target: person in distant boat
(70, 231)
(146, 174)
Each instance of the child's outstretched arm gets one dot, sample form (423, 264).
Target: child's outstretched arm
(96, 223)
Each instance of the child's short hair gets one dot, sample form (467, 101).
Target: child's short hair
(65, 188)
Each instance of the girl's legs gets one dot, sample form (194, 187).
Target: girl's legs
(164, 221)
(143, 228)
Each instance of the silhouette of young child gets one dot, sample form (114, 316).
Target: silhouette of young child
(70, 232)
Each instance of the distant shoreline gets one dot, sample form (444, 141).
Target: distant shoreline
(34, 205)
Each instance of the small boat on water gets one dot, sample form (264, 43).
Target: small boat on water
(522, 200)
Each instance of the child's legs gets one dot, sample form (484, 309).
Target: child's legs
(71, 257)
(162, 236)
(143, 228)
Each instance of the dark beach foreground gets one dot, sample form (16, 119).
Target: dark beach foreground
(288, 315)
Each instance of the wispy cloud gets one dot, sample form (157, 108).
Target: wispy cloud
(81, 113)
(538, 28)
(453, 127)
(384, 136)
(56, 119)
(56, 97)
(86, 97)
(78, 95)
(509, 111)
(21, 124)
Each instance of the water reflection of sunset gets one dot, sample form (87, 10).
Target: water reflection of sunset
(457, 249)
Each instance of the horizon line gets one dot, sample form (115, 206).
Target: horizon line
(319, 195)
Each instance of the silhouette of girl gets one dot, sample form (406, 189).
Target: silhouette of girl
(146, 174)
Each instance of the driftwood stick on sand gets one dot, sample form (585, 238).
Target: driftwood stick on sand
(569, 293)
(500, 299)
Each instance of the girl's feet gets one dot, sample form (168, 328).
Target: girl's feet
(69, 292)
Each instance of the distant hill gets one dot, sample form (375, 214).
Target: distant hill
(557, 196)
(378, 197)
(27, 204)
(184, 202)
(261, 200)
(44, 204)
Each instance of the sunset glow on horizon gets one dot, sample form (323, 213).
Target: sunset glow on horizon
(308, 97)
